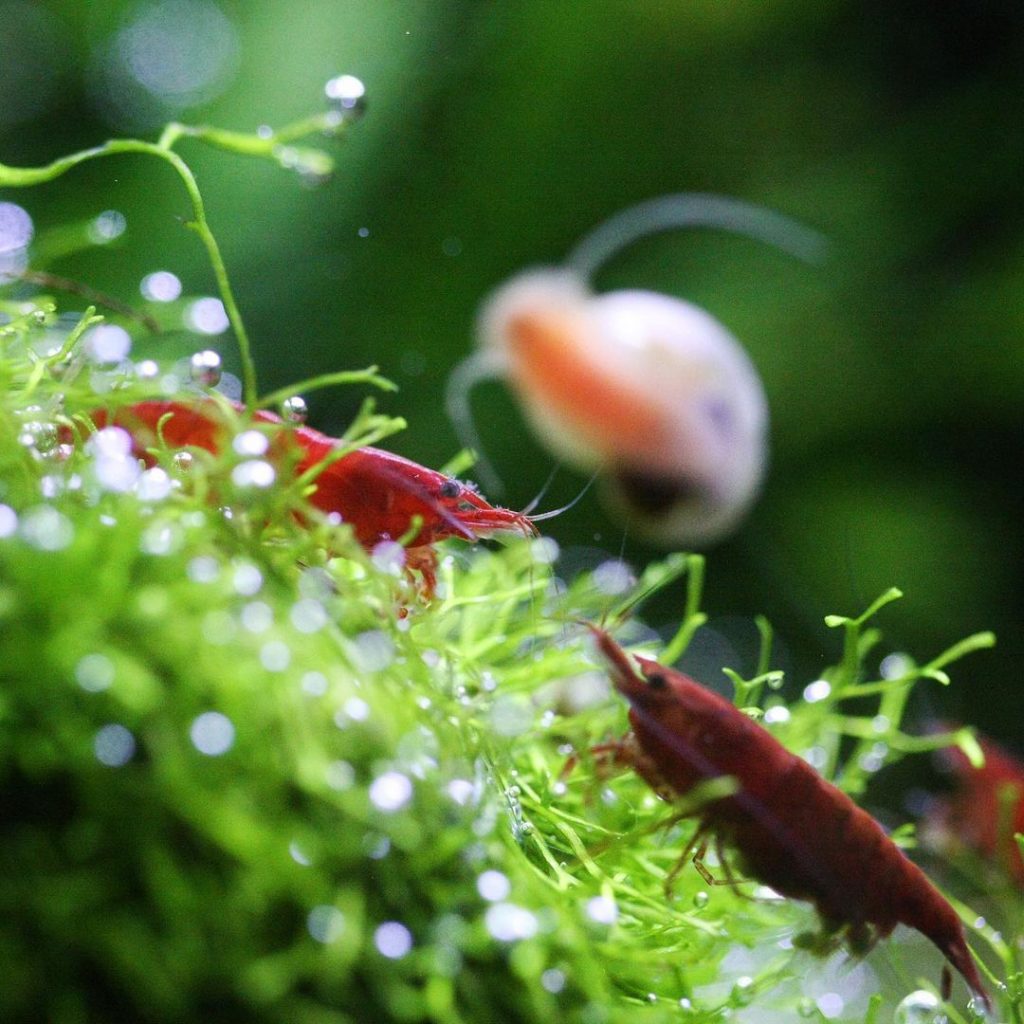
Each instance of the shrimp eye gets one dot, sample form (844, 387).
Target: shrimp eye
(656, 681)
(449, 489)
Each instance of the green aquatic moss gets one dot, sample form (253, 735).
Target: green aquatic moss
(248, 773)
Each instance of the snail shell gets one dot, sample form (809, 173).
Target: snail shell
(651, 390)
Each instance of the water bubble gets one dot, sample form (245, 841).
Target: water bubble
(613, 577)
(246, 579)
(212, 733)
(254, 473)
(8, 521)
(313, 683)
(205, 366)
(392, 940)
(373, 650)
(461, 791)
(507, 922)
(107, 343)
(117, 473)
(94, 672)
(347, 94)
(603, 910)
(742, 993)
(493, 886)
(340, 775)
(308, 615)
(816, 757)
(390, 792)
(114, 745)
(919, 1007)
(256, 617)
(325, 923)
(203, 569)
(107, 226)
(895, 665)
(976, 1007)
(250, 442)
(880, 724)
(831, 1005)
(294, 409)
(207, 316)
(389, 557)
(700, 900)
(160, 286)
(183, 461)
(806, 1007)
(275, 655)
(39, 434)
(16, 231)
(356, 709)
(153, 485)
(816, 691)
(161, 539)
(776, 714)
(45, 528)
(298, 855)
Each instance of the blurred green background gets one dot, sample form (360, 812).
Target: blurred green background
(497, 133)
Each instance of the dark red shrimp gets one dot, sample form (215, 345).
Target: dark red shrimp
(986, 808)
(791, 829)
(376, 492)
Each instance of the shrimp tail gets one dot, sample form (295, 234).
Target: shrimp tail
(928, 912)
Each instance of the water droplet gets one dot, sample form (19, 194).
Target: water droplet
(294, 409)
(147, 369)
(275, 656)
(919, 1007)
(976, 1007)
(16, 231)
(325, 923)
(700, 900)
(106, 344)
(392, 940)
(373, 650)
(816, 691)
(256, 617)
(254, 473)
(251, 442)
(776, 714)
(38, 434)
(347, 94)
(356, 709)
(603, 910)
(816, 757)
(94, 672)
(298, 855)
(390, 792)
(806, 1007)
(340, 775)
(363, 232)
(205, 366)
(114, 745)
(461, 791)
(831, 1005)
(313, 683)
(153, 485)
(207, 316)
(47, 529)
(162, 539)
(160, 286)
(389, 557)
(203, 569)
(613, 577)
(507, 922)
(308, 615)
(107, 226)
(895, 665)
(553, 980)
(493, 886)
(247, 579)
(212, 733)
(8, 521)
(880, 724)
(183, 461)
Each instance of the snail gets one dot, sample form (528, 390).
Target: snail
(649, 391)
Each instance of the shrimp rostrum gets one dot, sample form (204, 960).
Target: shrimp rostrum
(788, 827)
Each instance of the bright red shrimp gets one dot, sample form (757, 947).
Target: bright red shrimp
(986, 808)
(376, 492)
(791, 829)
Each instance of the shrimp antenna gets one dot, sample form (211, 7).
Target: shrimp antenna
(482, 365)
(694, 210)
(565, 508)
(544, 490)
